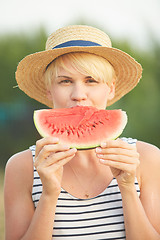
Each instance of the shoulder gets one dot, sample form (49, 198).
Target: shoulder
(149, 162)
(20, 160)
(20, 168)
(18, 194)
(148, 152)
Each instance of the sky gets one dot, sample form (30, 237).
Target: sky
(135, 20)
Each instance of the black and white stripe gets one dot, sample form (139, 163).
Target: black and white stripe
(100, 217)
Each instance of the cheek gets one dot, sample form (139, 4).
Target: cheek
(101, 93)
(100, 96)
(59, 98)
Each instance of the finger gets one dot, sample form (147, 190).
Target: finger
(61, 163)
(48, 150)
(118, 143)
(130, 168)
(57, 157)
(118, 151)
(45, 141)
(118, 158)
(51, 170)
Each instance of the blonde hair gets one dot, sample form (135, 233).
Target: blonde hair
(85, 63)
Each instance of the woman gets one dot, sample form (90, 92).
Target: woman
(111, 192)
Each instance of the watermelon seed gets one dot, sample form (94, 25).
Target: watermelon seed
(68, 132)
(62, 131)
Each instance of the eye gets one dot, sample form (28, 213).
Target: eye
(91, 80)
(65, 81)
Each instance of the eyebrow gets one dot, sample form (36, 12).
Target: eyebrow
(63, 77)
(71, 77)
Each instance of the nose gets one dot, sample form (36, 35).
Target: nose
(78, 93)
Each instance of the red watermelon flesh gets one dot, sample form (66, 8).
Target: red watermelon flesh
(81, 127)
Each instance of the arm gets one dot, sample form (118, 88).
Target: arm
(19, 207)
(141, 215)
(22, 220)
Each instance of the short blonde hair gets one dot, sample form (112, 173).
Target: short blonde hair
(85, 63)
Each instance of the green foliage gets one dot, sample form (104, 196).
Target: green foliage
(16, 126)
(12, 49)
(17, 131)
(142, 104)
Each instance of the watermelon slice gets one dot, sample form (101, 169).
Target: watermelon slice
(81, 127)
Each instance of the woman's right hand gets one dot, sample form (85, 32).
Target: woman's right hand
(50, 157)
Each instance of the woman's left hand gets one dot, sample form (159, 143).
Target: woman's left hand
(122, 158)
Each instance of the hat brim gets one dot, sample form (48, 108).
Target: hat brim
(30, 71)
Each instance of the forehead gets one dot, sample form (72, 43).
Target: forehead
(70, 72)
(66, 65)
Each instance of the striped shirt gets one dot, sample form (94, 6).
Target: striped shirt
(100, 217)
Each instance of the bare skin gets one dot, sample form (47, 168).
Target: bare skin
(59, 166)
(144, 212)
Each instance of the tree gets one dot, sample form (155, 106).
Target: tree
(16, 125)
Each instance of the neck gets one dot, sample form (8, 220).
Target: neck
(84, 176)
(85, 161)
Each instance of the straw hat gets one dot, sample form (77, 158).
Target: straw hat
(76, 38)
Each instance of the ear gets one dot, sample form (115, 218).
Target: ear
(111, 91)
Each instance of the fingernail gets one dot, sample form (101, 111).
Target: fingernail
(104, 144)
(73, 150)
(66, 146)
(101, 160)
(98, 150)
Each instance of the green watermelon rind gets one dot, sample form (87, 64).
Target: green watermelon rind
(81, 146)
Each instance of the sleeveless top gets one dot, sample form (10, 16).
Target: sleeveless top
(100, 217)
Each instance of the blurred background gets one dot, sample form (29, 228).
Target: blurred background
(24, 27)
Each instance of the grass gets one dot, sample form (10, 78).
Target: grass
(1, 205)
